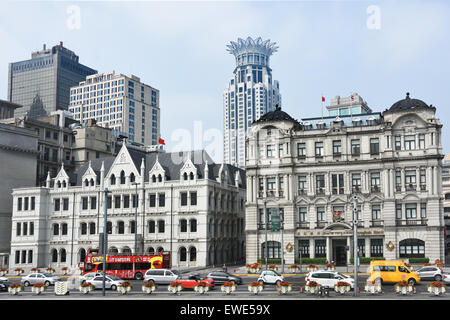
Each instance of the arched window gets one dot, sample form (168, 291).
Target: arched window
(150, 250)
(160, 249)
(63, 255)
(193, 223)
(64, 184)
(151, 226)
(92, 182)
(92, 228)
(412, 248)
(274, 250)
(185, 176)
(159, 178)
(132, 177)
(153, 178)
(113, 250)
(113, 180)
(54, 255)
(191, 176)
(192, 254)
(82, 255)
(122, 177)
(120, 227)
(126, 250)
(86, 182)
(58, 184)
(183, 254)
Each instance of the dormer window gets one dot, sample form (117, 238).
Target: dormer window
(307, 125)
(132, 177)
(86, 182)
(122, 177)
(356, 122)
(92, 182)
(321, 124)
(191, 176)
(159, 178)
(185, 176)
(371, 120)
(153, 178)
(112, 180)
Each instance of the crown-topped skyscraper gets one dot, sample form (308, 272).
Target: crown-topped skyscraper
(249, 94)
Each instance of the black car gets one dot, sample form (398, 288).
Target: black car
(222, 277)
(4, 285)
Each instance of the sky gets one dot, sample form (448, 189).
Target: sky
(378, 49)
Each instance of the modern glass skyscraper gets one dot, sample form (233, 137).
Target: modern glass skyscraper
(249, 94)
(42, 84)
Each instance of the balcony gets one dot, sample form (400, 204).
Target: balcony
(398, 188)
(321, 224)
(280, 194)
(338, 190)
(375, 188)
(411, 187)
(356, 189)
(302, 225)
(320, 191)
(302, 191)
(411, 222)
(262, 226)
(337, 155)
(376, 223)
(301, 157)
(423, 187)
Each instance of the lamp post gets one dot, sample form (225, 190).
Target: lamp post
(266, 221)
(105, 238)
(135, 216)
(355, 242)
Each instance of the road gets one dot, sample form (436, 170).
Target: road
(269, 291)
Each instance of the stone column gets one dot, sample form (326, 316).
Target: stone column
(328, 249)
(418, 179)
(403, 179)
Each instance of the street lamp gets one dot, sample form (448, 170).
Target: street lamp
(135, 217)
(105, 233)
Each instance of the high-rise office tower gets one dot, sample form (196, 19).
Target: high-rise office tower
(42, 84)
(120, 102)
(250, 93)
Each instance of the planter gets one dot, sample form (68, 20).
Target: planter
(228, 289)
(373, 288)
(3, 272)
(148, 289)
(342, 289)
(175, 288)
(37, 289)
(311, 268)
(284, 289)
(85, 289)
(255, 289)
(311, 289)
(201, 289)
(15, 289)
(124, 289)
(437, 288)
(18, 272)
(403, 289)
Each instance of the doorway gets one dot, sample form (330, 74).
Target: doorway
(339, 247)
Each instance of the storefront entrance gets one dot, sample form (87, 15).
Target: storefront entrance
(339, 252)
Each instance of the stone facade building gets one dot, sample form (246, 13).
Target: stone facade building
(308, 172)
(186, 205)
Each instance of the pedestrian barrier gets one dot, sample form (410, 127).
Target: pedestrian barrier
(61, 288)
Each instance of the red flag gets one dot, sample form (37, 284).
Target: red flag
(323, 99)
(161, 141)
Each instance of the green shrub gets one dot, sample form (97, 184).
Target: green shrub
(312, 260)
(419, 260)
(271, 260)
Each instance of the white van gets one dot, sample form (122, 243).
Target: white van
(161, 275)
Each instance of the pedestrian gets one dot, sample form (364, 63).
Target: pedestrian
(224, 268)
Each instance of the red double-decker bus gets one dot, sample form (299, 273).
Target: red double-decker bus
(125, 266)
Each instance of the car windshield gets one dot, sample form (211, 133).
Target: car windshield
(47, 275)
(276, 273)
(114, 278)
(175, 272)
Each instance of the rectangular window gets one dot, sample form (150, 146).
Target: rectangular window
(376, 212)
(116, 202)
(161, 226)
(302, 214)
(319, 149)
(270, 150)
(19, 204)
(376, 247)
(337, 148)
(301, 150)
(410, 142)
(193, 196)
(303, 251)
(421, 141)
(423, 210)
(362, 247)
(374, 146)
(337, 182)
(320, 248)
(183, 196)
(356, 147)
(320, 183)
(31, 228)
(356, 181)
(18, 228)
(320, 213)
(93, 203)
(162, 199)
(398, 142)
(135, 200)
(152, 199)
(375, 181)
(398, 211)
(410, 178)
(57, 204)
(65, 204)
(33, 203)
(126, 201)
(411, 211)
(84, 203)
(302, 184)
(25, 205)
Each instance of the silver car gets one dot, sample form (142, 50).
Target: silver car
(430, 273)
(111, 282)
(161, 275)
(44, 278)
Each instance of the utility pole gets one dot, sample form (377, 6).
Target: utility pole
(135, 216)
(282, 243)
(355, 243)
(105, 233)
(266, 220)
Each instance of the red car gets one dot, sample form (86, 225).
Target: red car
(189, 281)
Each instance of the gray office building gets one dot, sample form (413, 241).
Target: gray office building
(42, 84)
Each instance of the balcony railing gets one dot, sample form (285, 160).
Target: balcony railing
(411, 187)
(321, 224)
(302, 225)
(411, 222)
(301, 191)
(423, 187)
(375, 188)
(376, 223)
(320, 191)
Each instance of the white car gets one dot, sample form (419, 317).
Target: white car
(270, 276)
(44, 278)
(89, 276)
(111, 282)
(446, 278)
(430, 273)
(328, 278)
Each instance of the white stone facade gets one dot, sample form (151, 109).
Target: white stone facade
(309, 172)
(187, 205)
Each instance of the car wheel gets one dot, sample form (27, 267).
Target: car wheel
(47, 283)
(438, 277)
(26, 284)
(278, 282)
(411, 281)
(113, 287)
(138, 276)
(261, 281)
(379, 280)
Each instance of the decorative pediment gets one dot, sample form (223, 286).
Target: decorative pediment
(320, 200)
(123, 170)
(375, 198)
(61, 179)
(338, 200)
(188, 171)
(89, 178)
(157, 173)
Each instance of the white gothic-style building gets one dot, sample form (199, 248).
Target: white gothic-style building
(186, 205)
(309, 171)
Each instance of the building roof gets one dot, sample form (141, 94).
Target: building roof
(276, 115)
(409, 103)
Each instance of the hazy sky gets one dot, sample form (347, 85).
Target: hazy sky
(379, 49)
